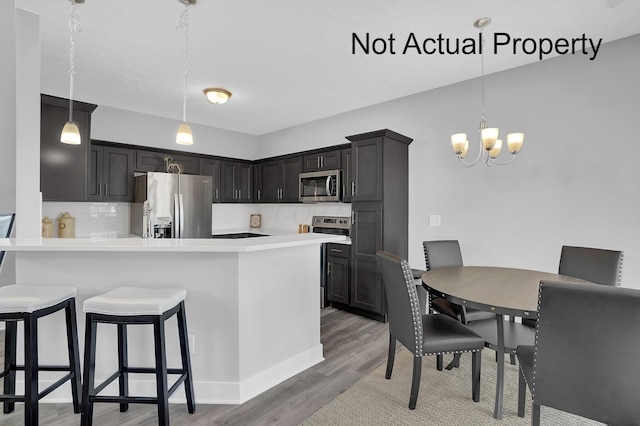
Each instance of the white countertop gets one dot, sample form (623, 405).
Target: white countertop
(136, 244)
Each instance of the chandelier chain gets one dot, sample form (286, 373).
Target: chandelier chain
(74, 28)
(183, 22)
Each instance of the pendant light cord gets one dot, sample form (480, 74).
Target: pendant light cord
(183, 22)
(74, 27)
(483, 119)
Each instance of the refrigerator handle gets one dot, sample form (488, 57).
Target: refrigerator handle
(181, 215)
(175, 227)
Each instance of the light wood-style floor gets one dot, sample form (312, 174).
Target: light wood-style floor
(353, 347)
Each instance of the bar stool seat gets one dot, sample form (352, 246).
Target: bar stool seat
(125, 306)
(28, 304)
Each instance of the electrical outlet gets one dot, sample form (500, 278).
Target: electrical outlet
(434, 220)
(192, 344)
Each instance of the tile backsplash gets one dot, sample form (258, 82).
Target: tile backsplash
(97, 220)
(109, 220)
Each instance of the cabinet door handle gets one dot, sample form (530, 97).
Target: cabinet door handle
(106, 192)
(259, 195)
(336, 250)
(99, 186)
(329, 268)
(217, 194)
(353, 217)
(321, 161)
(353, 189)
(318, 161)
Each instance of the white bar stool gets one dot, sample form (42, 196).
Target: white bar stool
(134, 305)
(28, 304)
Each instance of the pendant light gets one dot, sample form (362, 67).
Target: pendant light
(184, 135)
(70, 132)
(490, 145)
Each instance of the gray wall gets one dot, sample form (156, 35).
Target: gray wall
(7, 124)
(575, 182)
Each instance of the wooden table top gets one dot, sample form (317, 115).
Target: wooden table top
(503, 290)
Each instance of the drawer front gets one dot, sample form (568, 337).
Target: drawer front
(338, 250)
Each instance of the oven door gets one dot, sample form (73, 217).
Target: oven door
(317, 187)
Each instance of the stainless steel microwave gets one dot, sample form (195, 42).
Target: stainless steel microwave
(320, 186)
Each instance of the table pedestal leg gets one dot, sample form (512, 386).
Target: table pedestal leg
(497, 413)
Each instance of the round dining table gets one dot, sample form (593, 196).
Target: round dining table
(504, 291)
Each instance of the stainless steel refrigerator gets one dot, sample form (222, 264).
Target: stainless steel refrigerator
(179, 206)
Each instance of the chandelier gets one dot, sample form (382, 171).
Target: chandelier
(490, 146)
(184, 135)
(70, 133)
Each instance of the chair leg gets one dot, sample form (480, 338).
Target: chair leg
(522, 393)
(31, 371)
(10, 347)
(415, 381)
(513, 359)
(161, 372)
(186, 359)
(74, 355)
(391, 356)
(439, 362)
(535, 415)
(455, 362)
(123, 365)
(476, 364)
(88, 389)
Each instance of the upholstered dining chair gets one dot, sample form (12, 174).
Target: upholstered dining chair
(422, 334)
(6, 225)
(598, 266)
(586, 352)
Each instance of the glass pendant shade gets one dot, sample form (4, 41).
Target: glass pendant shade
(495, 151)
(489, 137)
(70, 134)
(459, 142)
(514, 142)
(184, 136)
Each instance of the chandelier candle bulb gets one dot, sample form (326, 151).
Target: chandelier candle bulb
(514, 142)
(489, 137)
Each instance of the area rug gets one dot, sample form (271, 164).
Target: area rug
(444, 398)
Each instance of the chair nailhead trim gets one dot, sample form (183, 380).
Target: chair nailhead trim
(415, 308)
(535, 346)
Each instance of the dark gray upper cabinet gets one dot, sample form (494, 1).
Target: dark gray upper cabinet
(211, 167)
(257, 183)
(111, 173)
(280, 180)
(153, 161)
(380, 212)
(64, 169)
(347, 159)
(321, 161)
(235, 182)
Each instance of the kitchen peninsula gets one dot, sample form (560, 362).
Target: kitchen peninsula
(253, 305)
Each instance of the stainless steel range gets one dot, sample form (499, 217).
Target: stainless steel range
(335, 225)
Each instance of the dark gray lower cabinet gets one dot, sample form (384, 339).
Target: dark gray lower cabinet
(111, 173)
(338, 273)
(366, 239)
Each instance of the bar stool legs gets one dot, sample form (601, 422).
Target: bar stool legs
(29, 304)
(90, 392)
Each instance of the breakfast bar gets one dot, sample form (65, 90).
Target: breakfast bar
(253, 305)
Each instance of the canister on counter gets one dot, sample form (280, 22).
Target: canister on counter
(47, 227)
(66, 226)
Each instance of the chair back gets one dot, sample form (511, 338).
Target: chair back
(403, 307)
(587, 347)
(6, 225)
(442, 254)
(596, 265)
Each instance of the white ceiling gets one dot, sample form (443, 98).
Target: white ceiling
(289, 62)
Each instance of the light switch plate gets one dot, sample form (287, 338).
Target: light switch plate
(434, 220)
